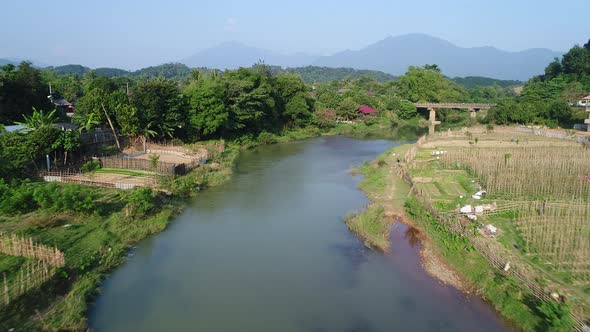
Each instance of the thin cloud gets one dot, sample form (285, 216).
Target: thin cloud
(231, 24)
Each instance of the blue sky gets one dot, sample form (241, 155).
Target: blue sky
(135, 33)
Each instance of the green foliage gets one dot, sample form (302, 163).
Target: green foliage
(67, 142)
(503, 293)
(557, 316)
(168, 70)
(51, 197)
(38, 119)
(478, 81)
(154, 159)
(545, 99)
(54, 197)
(90, 166)
(163, 109)
(267, 138)
(207, 113)
(297, 110)
(325, 118)
(22, 153)
(348, 108)
(313, 74)
(428, 85)
(141, 202)
(406, 110)
(371, 226)
(21, 89)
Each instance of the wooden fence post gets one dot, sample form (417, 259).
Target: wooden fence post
(6, 296)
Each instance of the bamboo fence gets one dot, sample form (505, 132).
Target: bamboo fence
(34, 273)
(14, 245)
(549, 172)
(137, 164)
(559, 234)
(505, 262)
(97, 180)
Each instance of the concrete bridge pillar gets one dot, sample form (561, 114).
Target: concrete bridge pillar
(432, 121)
(472, 115)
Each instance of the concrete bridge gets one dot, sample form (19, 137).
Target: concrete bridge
(432, 107)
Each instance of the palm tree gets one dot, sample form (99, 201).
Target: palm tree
(38, 119)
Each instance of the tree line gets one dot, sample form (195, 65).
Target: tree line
(547, 99)
(210, 104)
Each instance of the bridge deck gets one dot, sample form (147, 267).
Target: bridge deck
(454, 105)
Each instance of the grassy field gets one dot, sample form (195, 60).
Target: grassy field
(539, 188)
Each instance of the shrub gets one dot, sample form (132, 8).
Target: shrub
(267, 138)
(140, 202)
(154, 159)
(15, 199)
(90, 166)
(55, 197)
(325, 118)
(556, 316)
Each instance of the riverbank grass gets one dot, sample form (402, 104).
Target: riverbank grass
(514, 303)
(387, 194)
(371, 226)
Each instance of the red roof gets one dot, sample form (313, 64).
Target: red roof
(367, 110)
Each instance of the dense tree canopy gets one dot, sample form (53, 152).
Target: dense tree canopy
(547, 99)
(21, 89)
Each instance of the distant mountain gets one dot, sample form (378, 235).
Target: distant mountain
(4, 62)
(232, 55)
(111, 72)
(69, 70)
(167, 70)
(311, 74)
(16, 61)
(393, 55)
(474, 81)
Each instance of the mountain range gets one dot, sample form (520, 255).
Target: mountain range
(392, 55)
(232, 55)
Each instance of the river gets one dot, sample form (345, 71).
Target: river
(269, 251)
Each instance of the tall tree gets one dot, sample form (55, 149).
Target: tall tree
(21, 89)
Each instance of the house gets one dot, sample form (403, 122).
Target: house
(342, 91)
(64, 106)
(365, 110)
(584, 101)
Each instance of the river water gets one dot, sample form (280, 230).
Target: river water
(269, 251)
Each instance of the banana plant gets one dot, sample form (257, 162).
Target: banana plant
(37, 120)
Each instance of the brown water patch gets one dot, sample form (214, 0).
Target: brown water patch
(411, 250)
